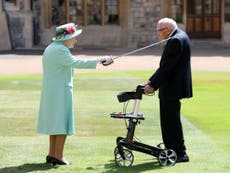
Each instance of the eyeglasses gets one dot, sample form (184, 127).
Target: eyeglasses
(162, 29)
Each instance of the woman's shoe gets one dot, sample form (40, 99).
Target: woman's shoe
(49, 159)
(56, 161)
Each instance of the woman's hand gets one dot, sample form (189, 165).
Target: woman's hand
(106, 60)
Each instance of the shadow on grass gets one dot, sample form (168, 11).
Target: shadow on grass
(29, 167)
(111, 167)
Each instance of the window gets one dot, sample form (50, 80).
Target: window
(227, 11)
(111, 12)
(102, 12)
(82, 12)
(94, 12)
(208, 7)
(216, 6)
(211, 6)
(11, 5)
(178, 4)
(76, 12)
(58, 14)
(12, 1)
(194, 7)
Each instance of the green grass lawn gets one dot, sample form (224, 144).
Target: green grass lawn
(209, 109)
(206, 125)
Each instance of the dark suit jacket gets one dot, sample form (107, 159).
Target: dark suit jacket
(173, 77)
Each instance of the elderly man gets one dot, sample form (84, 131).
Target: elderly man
(174, 81)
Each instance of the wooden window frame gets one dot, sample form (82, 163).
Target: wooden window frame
(226, 14)
(16, 2)
(47, 5)
(85, 8)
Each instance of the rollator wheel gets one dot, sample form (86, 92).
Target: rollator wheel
(167, 157)
(129, 158)
(115, 150)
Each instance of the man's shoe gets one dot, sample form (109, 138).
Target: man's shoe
(183, 158)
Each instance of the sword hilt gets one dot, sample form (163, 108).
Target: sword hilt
(105, 63)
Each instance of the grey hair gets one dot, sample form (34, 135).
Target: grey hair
(169, 22)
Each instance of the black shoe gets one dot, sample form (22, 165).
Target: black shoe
(182, 158)
(49, 159)
(56, 161)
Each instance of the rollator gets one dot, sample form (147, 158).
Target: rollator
(125, 145)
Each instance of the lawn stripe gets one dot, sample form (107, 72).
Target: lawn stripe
(95, 154)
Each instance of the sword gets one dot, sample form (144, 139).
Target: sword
(135, 51)
(140, 49)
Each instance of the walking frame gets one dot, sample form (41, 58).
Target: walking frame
(125, 145)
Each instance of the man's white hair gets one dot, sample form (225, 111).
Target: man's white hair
(169, 22)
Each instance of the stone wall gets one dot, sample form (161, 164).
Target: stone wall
(20, 24)
(226, 35)
(97, 36)
(16, 25)
(4, 33)
(137, 25)
(142, 24)
(140, 30)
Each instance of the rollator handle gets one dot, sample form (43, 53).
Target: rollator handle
(125, 96)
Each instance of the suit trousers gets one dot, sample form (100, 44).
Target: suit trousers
(171, 127)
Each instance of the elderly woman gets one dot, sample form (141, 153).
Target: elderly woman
(56, 116)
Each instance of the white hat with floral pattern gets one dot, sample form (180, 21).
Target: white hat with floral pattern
(66, 32)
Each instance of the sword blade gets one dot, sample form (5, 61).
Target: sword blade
(140, 49)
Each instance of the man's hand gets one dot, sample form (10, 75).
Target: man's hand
(148, 89)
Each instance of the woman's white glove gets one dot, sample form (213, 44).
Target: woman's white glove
(105, 60)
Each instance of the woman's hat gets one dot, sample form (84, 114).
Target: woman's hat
(66, 32)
